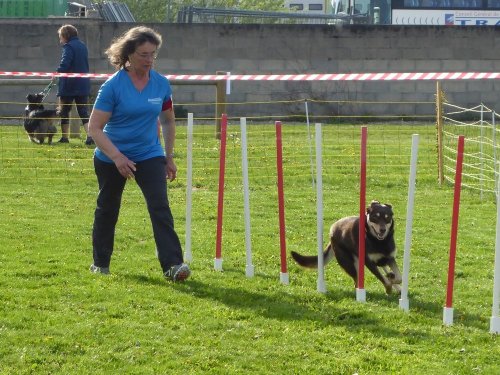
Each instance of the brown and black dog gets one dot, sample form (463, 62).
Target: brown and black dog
(38, 121)
(380, 248)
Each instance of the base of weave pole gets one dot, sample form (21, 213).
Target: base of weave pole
(249, 270)
(284, 278)
(404, 304)
(448, 316)
(218, 264)
(495, 324)
(360, 295)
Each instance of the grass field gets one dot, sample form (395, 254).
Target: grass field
(58, 318)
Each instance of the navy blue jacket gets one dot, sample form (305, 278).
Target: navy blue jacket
(74, 60)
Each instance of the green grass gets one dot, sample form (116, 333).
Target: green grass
(56, 317)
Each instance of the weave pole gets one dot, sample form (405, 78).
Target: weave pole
(309, 139)
(448, 309)
(249, 268)
(188, 256)
(281, 203)
(360, 289)
(495, 311)
(220, 205)
(404, 303)
(319, 210)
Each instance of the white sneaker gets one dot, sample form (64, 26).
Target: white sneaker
(179, 272)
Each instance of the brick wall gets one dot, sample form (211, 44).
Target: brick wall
(32, 45)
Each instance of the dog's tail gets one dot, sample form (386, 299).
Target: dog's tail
(311, 261)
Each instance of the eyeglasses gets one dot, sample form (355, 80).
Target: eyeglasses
(146, 56)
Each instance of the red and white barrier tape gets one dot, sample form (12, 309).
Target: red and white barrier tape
(287, 77)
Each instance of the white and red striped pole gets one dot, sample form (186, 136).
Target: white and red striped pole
(220, 205)
(319, 209)
(281, 203)
(360, 289)
(448, 309)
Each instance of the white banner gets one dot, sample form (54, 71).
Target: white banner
(446, 17)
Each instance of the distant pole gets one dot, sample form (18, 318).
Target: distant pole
(281, 203)
(310, 142)
(439, 126)
(319, 210)
(360, 290)
(403, 301)
(249, 269)
(169, 5)
(448, 309)
(220, 206)
(188, 255)
(495, 311)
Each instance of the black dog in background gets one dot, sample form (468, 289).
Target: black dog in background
(38, 121)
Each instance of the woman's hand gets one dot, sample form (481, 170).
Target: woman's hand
(171, 168)
(125, 166)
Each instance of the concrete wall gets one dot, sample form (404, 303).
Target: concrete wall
(32, 45)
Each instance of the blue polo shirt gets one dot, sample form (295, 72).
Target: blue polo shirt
(132, 127)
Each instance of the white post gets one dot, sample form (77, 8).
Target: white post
(495, 170)
(228, 83)
(448, 316)
(188, 256)
(481, 151)
(403, 301)
(495, 318)
(360, 295)
(249, 269)
(319, 210)
(310, 142)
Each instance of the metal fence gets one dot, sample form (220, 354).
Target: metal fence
(193, 14)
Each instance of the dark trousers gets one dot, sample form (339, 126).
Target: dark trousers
(65, 103)
(151, 178)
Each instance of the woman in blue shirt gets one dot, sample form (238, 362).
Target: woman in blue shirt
(124, 126)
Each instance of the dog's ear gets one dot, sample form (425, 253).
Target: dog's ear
(369, 208)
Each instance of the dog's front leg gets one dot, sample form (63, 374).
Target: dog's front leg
(384, 280)
(395, 275)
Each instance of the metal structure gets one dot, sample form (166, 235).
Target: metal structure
(115, 11)
(193, 14)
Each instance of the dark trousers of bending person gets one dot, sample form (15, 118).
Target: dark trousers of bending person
(65, 104)
(150, 177)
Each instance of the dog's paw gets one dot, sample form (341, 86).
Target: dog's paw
(396, 288)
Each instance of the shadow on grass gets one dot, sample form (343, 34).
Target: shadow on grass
(275, 303)
(434, 310)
